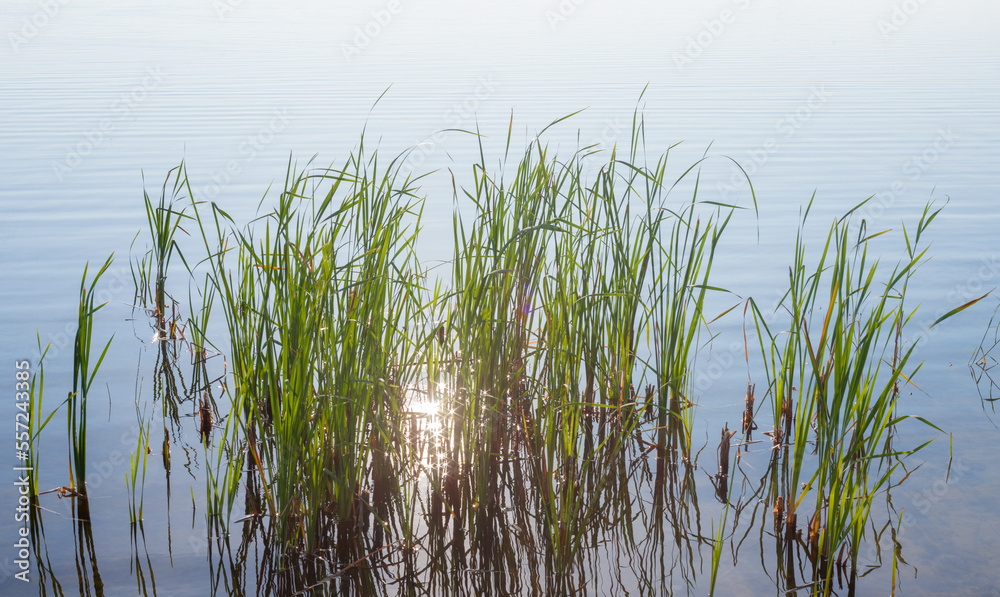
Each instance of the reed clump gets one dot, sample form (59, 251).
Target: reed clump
(318, 295)
(531, 347)
(379, 424)
(164, 219)
(834, 374)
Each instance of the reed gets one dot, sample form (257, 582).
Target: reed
(37, 421)
(317, 322)
(224, 463)
(838, 367)
(683, 265)
(200, 346)
(490, 330)
(136, 475)
(164, 220)
(553, 290)
(84, 373)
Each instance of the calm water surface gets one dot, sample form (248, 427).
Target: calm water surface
(844, 100)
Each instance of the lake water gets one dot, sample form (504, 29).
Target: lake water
(899, 100)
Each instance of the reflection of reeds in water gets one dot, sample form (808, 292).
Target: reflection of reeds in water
(205, 420)
(748, 426)
(722, 477)
(136, 475)
(37, 421)
(983, 363)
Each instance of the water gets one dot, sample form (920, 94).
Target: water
(846, 100)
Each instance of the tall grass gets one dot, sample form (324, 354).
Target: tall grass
(563, 294)
(318, 305)
(555, 284)
(834, 376)
(37, 421)
(164, 220)
(523, 399)
(84, 373)
(533, 351)
(490, 330)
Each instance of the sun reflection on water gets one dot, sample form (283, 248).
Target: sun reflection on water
(427, 412)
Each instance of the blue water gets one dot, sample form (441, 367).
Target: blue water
(842, 99)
